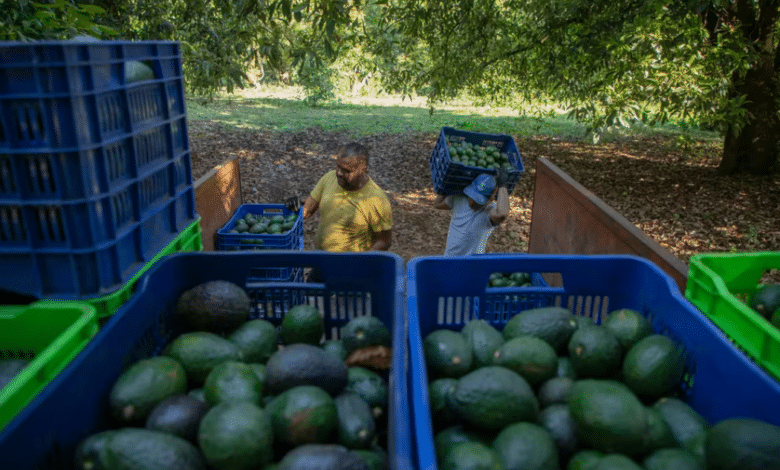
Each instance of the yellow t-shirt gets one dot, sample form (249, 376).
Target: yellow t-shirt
(349, 219)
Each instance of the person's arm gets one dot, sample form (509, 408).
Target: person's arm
(441, 202)
(382, 240)
(310, 207)
(501, 211)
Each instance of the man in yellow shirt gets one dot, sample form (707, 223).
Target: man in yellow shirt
(355, 214)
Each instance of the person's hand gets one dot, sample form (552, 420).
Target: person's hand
(502, 178)
(293, 203)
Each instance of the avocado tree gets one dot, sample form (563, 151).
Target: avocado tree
(222, 39)
(699, 62)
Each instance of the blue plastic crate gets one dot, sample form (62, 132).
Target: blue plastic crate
(721, 382)
(95, 169)
(76, 95)
(86, 248)
(451, 178)
(75, 404)
(289, 240)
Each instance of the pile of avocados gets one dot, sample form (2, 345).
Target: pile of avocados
(261, 224)
(515, 279)
(552, 391)
(488, 157)
(234, 393)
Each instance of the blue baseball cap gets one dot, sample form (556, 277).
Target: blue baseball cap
(481, 188)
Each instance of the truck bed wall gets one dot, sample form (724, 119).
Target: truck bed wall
(568, 219)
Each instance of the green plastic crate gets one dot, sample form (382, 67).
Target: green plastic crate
(50, 334)
(188, 240)
(722, 285)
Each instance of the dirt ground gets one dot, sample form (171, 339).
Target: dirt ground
(671, 193)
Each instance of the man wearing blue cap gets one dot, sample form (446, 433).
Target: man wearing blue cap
(474, 214)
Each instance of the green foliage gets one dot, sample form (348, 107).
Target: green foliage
(23, 20)
(611, 64)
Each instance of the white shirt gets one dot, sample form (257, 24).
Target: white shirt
(469, 229)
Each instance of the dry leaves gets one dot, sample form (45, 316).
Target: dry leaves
(678, 201)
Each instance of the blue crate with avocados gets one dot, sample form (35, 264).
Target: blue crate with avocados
(76, 403)
(460, 156)
(262, 226)
(720, 381)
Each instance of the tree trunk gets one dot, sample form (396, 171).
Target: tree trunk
(754, 148)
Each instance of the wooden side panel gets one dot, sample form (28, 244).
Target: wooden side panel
(568, 219)
(217, 196)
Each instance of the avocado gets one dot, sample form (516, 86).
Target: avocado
(766, 300)
(199, 352)
(628, 326)
(241, 226)
(552, 324)
(672, 459)
(493, 397)
(371, 387)
(304, 364)
(137, 449)
(364, 331)
(302, 324)
(531, 357)
(565, 368)
(258, 228)
(743, 444)
(256, 340)
(608, 416)
(260, 373)
(584, 460)
(303, 415)
(143, 386)
(198, 394)
(554, 390)
(557, 420)
(686, 423)
(447, 354)
(236, 436)
(322, 457)
(483, 339)
(471, 456)
(653, 367)
(216, 306)
(137, 71)
(179, 415)
(595, 352)
(659, 434)
(356, 426)
(335, 347)
(10, 368)
(375, 459)
(232, 381)
(448, 438)
(439, 392)
(616, 462)
(526, 445)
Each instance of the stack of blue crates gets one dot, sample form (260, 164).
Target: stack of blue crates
(95, 170)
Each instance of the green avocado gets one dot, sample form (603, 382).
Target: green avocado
(305, 364)
(143, 448)
(144, 385)
(236, 435)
